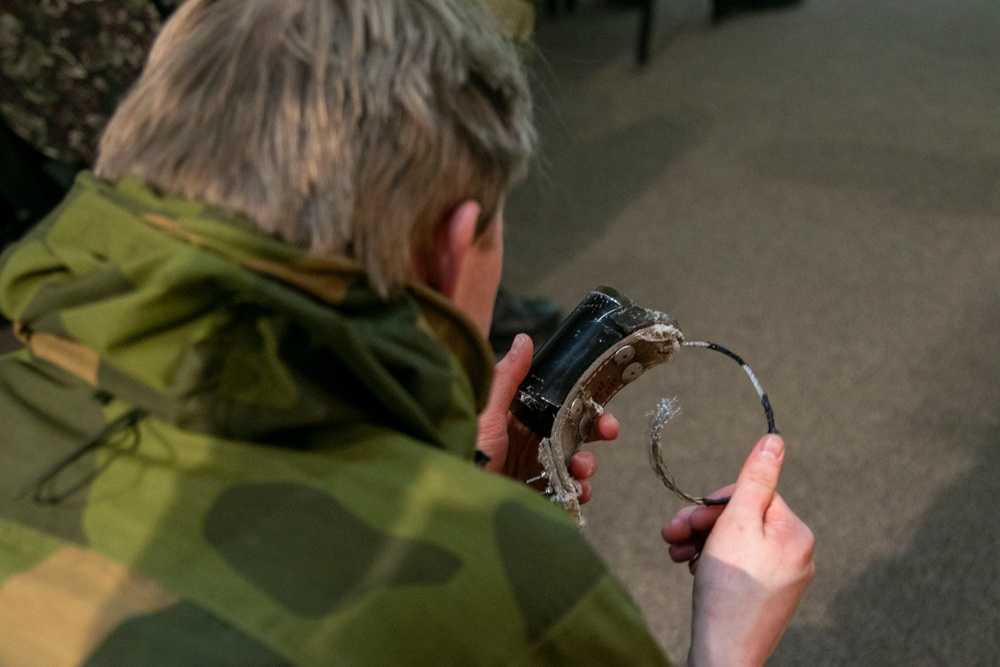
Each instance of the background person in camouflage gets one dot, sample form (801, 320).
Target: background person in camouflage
(64, 66)
(243, 427)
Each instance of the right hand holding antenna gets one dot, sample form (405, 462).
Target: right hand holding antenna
(752, 562)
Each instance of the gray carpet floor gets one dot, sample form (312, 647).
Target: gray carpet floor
(817, 188)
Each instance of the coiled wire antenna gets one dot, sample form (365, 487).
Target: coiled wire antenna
(667, 409)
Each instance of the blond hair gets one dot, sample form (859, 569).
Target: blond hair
(342, 126)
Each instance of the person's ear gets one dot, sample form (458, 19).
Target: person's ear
(454, 236)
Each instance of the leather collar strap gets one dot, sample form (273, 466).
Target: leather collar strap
(608, 374)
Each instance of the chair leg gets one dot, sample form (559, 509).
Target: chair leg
(553, 6)
(645, 30)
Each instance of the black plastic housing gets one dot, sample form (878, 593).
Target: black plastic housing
(603, 318)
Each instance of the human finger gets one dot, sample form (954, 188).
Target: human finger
(679, 529)
(509, 373)
(703, 517)
(498, 430)
(680, 553)
(758, 480)
(605, 427)
(582, 466)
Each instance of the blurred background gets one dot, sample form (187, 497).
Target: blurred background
(816, 187)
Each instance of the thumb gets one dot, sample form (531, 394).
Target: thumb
(510, 372)
(758, 480)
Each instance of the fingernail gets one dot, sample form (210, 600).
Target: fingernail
(519, 342)
(772, 447)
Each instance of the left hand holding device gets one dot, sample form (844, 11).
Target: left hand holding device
(512, 447)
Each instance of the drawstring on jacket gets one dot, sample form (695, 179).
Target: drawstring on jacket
(126, 421)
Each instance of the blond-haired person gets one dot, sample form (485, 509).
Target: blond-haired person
(243, 430)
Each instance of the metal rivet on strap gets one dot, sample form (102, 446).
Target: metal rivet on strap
(585, 425)
(631, 372)
(576, 409)
(624, 355)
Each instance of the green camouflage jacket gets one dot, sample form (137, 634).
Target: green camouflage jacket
(218, 450)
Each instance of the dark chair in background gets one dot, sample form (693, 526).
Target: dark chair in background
(646, 10)
(720, 10)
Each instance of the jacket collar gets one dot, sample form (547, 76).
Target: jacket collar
(183, 310)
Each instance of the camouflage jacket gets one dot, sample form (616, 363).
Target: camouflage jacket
(65, 64)
(220, 451)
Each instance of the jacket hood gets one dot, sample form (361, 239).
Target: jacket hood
(185, 311)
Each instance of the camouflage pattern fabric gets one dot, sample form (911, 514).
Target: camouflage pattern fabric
(516, 18)
(64, 64)
(300, 488)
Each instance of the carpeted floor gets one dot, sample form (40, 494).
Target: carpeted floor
(817, 188)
